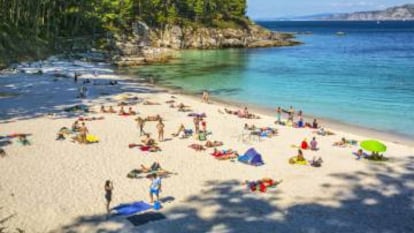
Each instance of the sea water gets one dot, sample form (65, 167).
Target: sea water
(364, 77)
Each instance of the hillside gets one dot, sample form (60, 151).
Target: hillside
(405, 12)
(34, 28)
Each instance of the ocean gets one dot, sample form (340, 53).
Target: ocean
(363, 78)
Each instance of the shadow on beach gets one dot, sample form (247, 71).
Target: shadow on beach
(387, 206)
(32, 96)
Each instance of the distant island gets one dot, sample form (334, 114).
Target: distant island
(404, 12)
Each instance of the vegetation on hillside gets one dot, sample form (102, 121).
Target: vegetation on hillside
(30, 27)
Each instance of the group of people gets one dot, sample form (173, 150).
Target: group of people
(121, 112)
(300, 123)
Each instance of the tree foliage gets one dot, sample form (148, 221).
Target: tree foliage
(50, 20)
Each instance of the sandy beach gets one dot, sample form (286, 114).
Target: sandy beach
(58, 186)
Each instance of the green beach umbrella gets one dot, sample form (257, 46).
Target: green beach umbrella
(373, 146)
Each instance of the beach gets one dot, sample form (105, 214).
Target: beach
(58, 186)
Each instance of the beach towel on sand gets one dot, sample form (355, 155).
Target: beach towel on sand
(92, 138)
(144, 218)
(294, 160)
(131, 208)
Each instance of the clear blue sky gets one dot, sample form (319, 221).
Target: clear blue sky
(258, 9)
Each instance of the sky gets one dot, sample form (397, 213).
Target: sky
(262, 9)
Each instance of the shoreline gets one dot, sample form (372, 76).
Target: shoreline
(335, 125)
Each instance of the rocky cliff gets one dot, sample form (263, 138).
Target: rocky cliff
(155, 45)
(405, 12)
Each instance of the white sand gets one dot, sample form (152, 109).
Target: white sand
(57, 186)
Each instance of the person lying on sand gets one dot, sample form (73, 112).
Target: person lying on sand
(60, 136)
(153, 118)
(249, 127)
(23, 140)
(360, 154)
(316, 162)
(147, 102)
(131, 112)
(170, 101)
(155, 167)
(213, 144)
(183, 108)
(111, 110)
(323, 132)
(197, 147)
(148, 141)
(90, 118)
(344, 142)
(262, 184)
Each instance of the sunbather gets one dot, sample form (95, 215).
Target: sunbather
(316, 162)
(75, 126)
(147, 102)
(314, 144)
(60, 136)
(213, 144)
(304, 145)
(148, 141)
(131, 112)
(103, 110)
(122, 111)
(249, 127)
(153, 118)
(111, 110)
(298, 158)
(23, 140)
(262, 184)
(197, 147)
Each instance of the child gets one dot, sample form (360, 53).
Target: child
(155, 187)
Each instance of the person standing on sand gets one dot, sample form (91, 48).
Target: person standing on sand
(278, 115)
(204, 98)
(108, 194)
(204, 125)
(291, 113)
(141, 123)
(160, 128)
(83, 132)
(155, 187)
(196, 121)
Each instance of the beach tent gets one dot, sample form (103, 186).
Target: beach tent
(251, 157)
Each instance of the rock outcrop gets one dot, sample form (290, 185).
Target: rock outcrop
(148, 45)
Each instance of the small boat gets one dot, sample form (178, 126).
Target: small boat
(340, 34)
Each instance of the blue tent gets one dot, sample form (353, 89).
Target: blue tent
(251, 157)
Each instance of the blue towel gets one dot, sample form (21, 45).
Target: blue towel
(132, 208)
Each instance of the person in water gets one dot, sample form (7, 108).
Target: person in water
(108, 194)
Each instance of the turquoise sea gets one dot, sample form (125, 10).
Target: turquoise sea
(365, 78)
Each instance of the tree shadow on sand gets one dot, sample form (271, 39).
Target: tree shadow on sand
(385, 207)
(33, 96)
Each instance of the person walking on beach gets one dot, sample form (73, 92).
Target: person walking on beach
(108, 194)
(83, 131)
(160, 128)
(141, 123)
(155, 187)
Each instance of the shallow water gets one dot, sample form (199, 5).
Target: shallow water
(365, 78)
